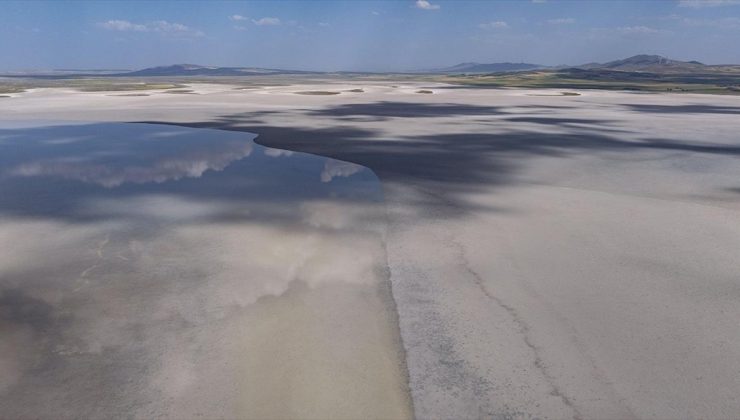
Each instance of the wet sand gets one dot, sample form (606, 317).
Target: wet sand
(158, 271)
(550, 256)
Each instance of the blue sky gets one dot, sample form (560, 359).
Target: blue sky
(361, 35)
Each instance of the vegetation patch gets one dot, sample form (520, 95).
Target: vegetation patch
(424, 91)
(11, 89)
(355, 90)
(109, 86)
(603, 79)
(317, 92)
(555, 94)
(181, 91)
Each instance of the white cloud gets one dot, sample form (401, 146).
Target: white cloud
(561, 21)
(426, 5)
(498, 24)
(637, 30)
(164, 26)
(266, 21)
(376, 13)
(160, 26)
(237, 18)
(539, 1)
(121, 25)
(698, 4)
(324, 24)
(721, 23)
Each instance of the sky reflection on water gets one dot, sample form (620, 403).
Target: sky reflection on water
(154, 270)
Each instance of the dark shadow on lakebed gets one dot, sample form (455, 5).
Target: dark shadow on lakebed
(683, 109)
(405, 110)
(446, 166)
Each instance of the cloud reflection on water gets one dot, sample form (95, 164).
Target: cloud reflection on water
(184, 274)
(277, 152)
(335, 168)
(168, 155)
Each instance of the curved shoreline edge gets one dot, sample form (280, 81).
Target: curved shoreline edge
(391, 298)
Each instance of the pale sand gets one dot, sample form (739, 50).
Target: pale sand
(552, 257)
(226, 320)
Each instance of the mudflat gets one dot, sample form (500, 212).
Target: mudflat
(552, 256)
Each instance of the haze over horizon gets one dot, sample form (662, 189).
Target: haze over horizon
(362, 35)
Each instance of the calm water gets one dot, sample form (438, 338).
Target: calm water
(151, 270)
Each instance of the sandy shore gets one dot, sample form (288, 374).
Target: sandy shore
(550, 256)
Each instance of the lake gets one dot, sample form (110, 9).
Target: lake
(151, 270)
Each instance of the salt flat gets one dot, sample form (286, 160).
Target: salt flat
(550, 256)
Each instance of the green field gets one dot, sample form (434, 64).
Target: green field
(86, 85)
(608, 80)
(318, 92)
(5, 89)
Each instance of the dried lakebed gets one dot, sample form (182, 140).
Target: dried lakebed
(550, 256)
(152, 270)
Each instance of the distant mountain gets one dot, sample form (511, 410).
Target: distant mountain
(489, 68)
(64, 72)
(642, 63)
(175, 70)
(77, 71)
(195, 70)
(648, 63)
(637, 64)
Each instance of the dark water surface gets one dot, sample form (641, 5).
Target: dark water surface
(151, 270)
(54, 170)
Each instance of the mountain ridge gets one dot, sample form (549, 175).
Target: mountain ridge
(503, 67)
(641, 63)
(646, 62)
(637, 63)
(198, 70)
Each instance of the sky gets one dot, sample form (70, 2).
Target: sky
(361, 35)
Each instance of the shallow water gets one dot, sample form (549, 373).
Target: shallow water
(152, 270)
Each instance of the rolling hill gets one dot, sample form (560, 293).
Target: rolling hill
(649, 63)
(196, 70)
(489, 68)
